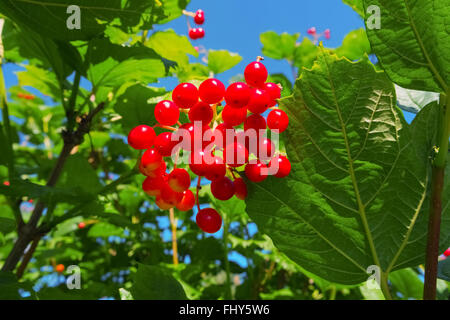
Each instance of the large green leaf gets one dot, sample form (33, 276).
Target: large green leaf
(155, 283)
(49, 17)
(172, 46)
(305, 54)
(135, 108)
(354, 45)
(357, 183)
(414, 100)
(222, 60)
(356, 5)
(406, 284)
(279, 46)
(114, 65)
(413, 42)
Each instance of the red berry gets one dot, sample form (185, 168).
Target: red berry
(233, 116)
(235, 154)
(255, 122)
(274, 91)
(254, 171)
(216, 170)
(277, 120)
(240, 189)
(259, 101)
(266, 149)
(201, 112)
(179, 180)
(6, 183)
(255, 74)
(220, 135)
(196, 33)
(193, 138)
(162, 204)
(237, 95)
(284, 166)
(187, 202)
(153, 186)
(198, 162)
(222, 188)
(200, 33)
(447, 252)
(81, 225)
(199, 17)
(211, 91)
(141, 137)
(169, 196)
(185, 95)
(59, 268)
(151, 160)
(164, 144)
(209, 220)
(160, 171)
(167, 113)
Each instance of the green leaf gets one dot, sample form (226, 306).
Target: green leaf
(413, 47)
(155, 283)
(407, 283)
(356, 185)
(355, 45)
(40, 79)
(172, 46)
(50, 17)
(222, 60)
(414, 100)
(278, 46)
(444, 269)
(103, 229)
(10, 287)
(125, 294)
(135, 108)
(305, 54)
(79, 174)
(356, 5)
(114, 65)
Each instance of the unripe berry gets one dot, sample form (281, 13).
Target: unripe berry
(209, 220)
(255, 74)
(211, 91)
(167, 113)
(179, 180)
(153, 186)
(187, 202)
(162, 204)
(141, 137)
(151, 160)
(222, 188)
(185, 95)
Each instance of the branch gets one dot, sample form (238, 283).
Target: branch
(437, 188)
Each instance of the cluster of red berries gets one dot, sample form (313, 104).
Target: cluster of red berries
(199, 19)
(212, 143)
